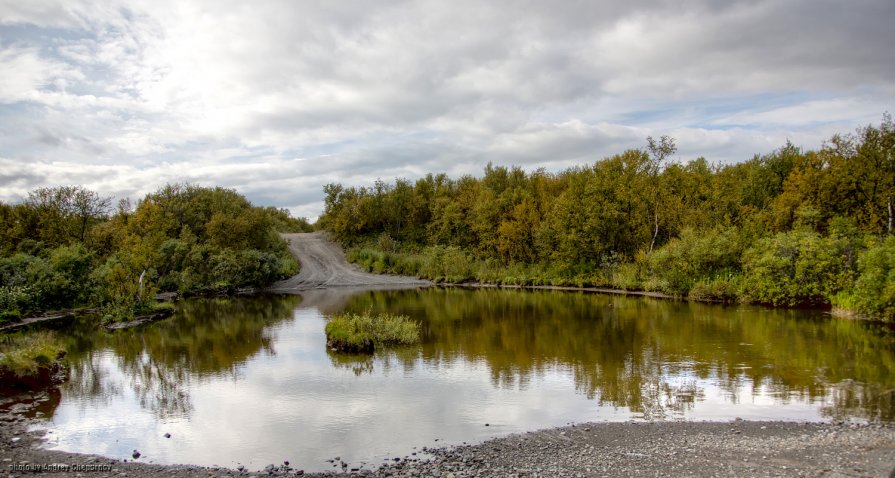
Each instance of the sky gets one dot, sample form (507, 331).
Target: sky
(276, 98)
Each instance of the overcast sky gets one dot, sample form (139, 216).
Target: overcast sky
(276, 98)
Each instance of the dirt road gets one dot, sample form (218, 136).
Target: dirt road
(323, 266)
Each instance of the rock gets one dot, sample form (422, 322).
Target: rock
(135, 454)
(167, 435)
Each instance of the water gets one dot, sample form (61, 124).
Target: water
(249, 380)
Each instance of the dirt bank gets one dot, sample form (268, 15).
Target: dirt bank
(323, 265)
(605, 449)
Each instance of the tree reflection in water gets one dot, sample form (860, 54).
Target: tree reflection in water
(158, 362)
(652, 355)
(659, 359)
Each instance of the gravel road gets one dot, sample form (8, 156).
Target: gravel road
(323, 265)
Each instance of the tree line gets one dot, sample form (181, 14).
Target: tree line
(787, 228)
(66, 247)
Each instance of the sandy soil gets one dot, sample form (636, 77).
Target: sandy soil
(323, 265)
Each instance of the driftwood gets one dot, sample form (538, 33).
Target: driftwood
(52, 317)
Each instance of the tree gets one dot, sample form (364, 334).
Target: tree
(659, 151)
(65, 213)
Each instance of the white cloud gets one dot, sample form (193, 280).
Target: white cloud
(227, 92)
(855, 110)
(26, 75)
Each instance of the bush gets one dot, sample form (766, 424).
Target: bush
(244, 268)
(722, 289)
(627, 277)
(796, 268)
(58, 281)
(874, 291)
(119, 290)
(13, 300)
(694, 257)
(364, 333)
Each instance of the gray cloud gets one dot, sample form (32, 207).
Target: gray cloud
(277, 98)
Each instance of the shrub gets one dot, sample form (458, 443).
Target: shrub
(60, 280)
(627, 277)
(796, 268)
(874, 291)
(722, 289)
(13, 300)
(695, 256)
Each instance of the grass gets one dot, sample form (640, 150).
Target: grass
(349, 332)
(24, 356)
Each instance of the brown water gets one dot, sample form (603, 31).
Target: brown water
(249, 380)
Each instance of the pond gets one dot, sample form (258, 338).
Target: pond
(250, 381)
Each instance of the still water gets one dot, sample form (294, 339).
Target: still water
(249, 380)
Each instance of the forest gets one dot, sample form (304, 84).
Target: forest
(66, 247)
(787, 228)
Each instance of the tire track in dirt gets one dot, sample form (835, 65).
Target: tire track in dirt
(323, 266)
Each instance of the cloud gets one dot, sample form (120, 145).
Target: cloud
(277, 98)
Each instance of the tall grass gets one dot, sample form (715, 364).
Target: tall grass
(27, 355)
(365, 332)
(454, 265)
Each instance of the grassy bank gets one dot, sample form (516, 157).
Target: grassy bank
(366, 332)
(794, 269)
(29, 361)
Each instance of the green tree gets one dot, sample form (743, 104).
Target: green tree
(659, 152)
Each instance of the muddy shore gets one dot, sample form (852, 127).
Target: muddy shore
(738, 448)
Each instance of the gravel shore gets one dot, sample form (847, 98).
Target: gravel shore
(738, 448)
